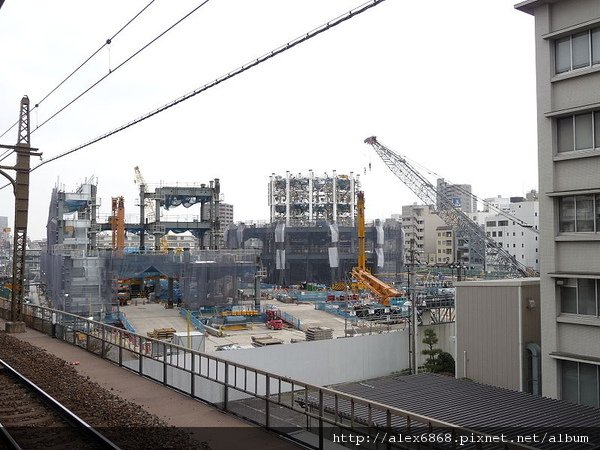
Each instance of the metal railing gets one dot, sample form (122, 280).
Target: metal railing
(313, 414)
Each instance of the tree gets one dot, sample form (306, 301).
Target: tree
(432, 354)
(445, 363)
(437, 361)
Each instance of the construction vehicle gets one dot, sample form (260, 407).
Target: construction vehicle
(386, 294)
(274, 321)
(494, 256)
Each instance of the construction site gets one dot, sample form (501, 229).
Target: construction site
(365, 301)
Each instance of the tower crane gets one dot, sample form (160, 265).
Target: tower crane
(381, 290)
(149, 207)
(489, 251)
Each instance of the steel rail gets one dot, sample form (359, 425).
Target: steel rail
(58, 407)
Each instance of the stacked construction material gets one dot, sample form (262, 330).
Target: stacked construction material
(319, 333)
(162, 333)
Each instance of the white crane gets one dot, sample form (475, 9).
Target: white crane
(488, 249)
(149, 206)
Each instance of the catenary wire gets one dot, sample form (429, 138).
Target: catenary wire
(107, 42)
(281, 49)
(140, 50)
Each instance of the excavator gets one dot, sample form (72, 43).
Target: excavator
(385, 293)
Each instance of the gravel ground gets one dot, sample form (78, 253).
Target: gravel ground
(125, 423)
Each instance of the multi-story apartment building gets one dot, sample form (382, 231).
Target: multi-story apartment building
(446, 245)
(521, 242)
(419, 222)
(567, 40)
(459, 194)
(225, 220)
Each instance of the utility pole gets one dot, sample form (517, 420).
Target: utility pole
(21, 190)
(413, 332)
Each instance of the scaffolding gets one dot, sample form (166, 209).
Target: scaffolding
(298, 200)
(80, 278)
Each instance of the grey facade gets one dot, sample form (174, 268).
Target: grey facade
(324, 253)
(568, 98)
(498, 333)
(459, 194)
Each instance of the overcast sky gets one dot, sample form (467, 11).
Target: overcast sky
(450, 85)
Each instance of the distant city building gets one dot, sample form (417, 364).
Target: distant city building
(502, 203)
(5, 247)
(445, 245)
(517, 240)
(420, 222)
(568, 105)
(226, 220)
(458, 194)
(298, 200)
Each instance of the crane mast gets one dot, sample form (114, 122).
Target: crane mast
(494, 255)
(383, 291)
(118, 224)
(362, 258)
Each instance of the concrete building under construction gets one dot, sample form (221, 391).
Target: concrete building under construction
(80, 277)
(312, 235)
(305, 200)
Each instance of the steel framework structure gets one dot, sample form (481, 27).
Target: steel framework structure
(21, 191)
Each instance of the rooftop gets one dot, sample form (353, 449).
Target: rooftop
(472, 405)
(528, 281)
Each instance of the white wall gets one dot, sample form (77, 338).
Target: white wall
(343, 360)
(320, 363)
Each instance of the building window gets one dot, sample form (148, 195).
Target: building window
(579, 383)
(493, 234)
(579, 296)
(573, 52)
(566, 214)
(580, 213)
(499, 233)
(503, 223)
(578, 132)
(490, 224)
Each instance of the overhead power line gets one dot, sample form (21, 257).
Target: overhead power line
(107, 42)
(140, 50)
(281, 49)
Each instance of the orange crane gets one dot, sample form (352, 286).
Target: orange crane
(117, 221)
(383, 291)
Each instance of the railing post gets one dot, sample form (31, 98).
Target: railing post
(120, 349)
(226, 390)
(165, 363)
(141, 369)
(267, 394)
(103, 345)
(193, 377)
(321, 412)
(388, 424)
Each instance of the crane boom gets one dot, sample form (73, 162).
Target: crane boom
(487, 249)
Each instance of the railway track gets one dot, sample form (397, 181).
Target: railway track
(32, 419)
